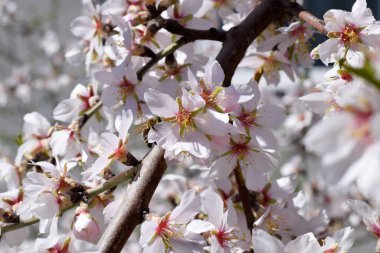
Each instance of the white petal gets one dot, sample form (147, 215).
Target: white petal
(190, 205)
(265, 243)
(200, 226)
(160, 104)
(213, 206)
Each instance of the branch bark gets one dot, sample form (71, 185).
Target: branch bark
(241, 36)
(135, 203)
(191, 34)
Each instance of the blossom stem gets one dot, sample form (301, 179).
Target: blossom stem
(244, 197)
(87, 115)
(93, 192)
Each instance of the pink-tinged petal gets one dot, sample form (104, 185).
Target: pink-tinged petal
(148, 230)
(257, 182)
(192, 102)
(328, 51)
(214, 123)
(252, 104)
(26, 148)
(283, 187)
(190, 206)
(79, 90)
(160, 104)
(100, 164)
(213, 206)
(200, 226)
(335, 20)
(164, 134)
(16, 237)
(193, 82)
(271, 42)
(105, 77)
(345, 237)
(59, 142)
(230, 215)
(123, 125)
(265, 138)
(306, 243)
(318, 101)
(265, 243)
(110, 96)
(185, 245)
(83, 27)
(109, 142)
(270, 116)
(214, 74)
(215, 246)
(157, 246)
(194, 143)
(35, 123)
(48, 168)
(46, 206)
(369, 215)
(222, 167)
(67, 110)
(361, 15)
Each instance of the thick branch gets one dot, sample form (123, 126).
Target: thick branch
(135, 203)
(241, 36)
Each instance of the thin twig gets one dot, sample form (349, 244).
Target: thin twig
(168, 50)
(91, 193)
(244, 197)
(191, 34)
(297, 10)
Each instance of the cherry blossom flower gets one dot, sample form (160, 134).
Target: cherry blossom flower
(184, 126)
(81, 99)
(225, 235)
(112, 147)
(36, 136)
(123, 88)
(370, 216)
(350, 33)
(169, 232)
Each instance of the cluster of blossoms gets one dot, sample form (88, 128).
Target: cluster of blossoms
(222, 192)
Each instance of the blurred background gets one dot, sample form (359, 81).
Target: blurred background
(34, 76)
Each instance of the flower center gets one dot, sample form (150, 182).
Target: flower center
(225, 237)
(247, 119)
(350, 34)
(184, 118)
(126, 88)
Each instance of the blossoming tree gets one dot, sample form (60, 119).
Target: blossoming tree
(172, 139)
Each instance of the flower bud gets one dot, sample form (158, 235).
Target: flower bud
(85, 226)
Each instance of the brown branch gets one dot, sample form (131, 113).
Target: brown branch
(191, 34)
(240, 37)
(244, 197)
(236, 42)
(135, 203)
(91, 193)
(298, 11)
